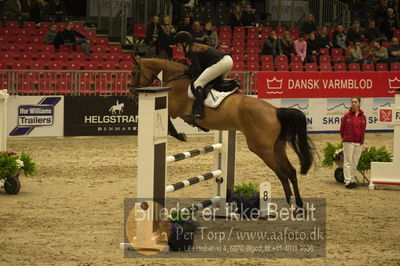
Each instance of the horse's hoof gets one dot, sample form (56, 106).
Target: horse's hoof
(181, 137)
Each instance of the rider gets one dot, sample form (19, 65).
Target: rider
(207, 64)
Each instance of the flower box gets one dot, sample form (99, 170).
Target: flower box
(11, 165)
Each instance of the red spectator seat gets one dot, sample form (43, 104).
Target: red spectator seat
(225, 42)
(296, 67)
(29, 24)
(111, 58)
(253, 50)
(225, 35)
(238, 58)
(395, 67)
(311, 67)
(368, 67)
(225, 29)
(45, 24)
(93, 65)
(96, 57)
(61, 25)
(396, 33)
(282, 67)
(253, 58)
(381, 67)
(281, 59)
(267, 67)
(296, 59)
(338, 59)
(238, 50)
(238, 30)
(253, 66)
(37, 40)
(252, 36)
(280, 30)
(48, 48)
(62, 56)
(79, 27)
(337, 51)
(324, 67)
(268, 59)
(126, 66)
(324, 51)
(73, 65)
(102, 41)
(127, 57)
(115, 49)
(12, 24)
(324, 59)
(252, 43)
(238, 43)
(139, 31)
(340, 67)
(37, 65)
(354, 67)
(294, 30)
(238, 66)
(78, 57)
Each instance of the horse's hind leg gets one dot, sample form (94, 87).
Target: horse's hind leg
(266, 153)
(280, 154)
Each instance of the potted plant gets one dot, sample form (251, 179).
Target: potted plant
(11, 165)
(182, 229)
(247, 197)
(333, 153)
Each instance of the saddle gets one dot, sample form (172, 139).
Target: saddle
(222, 85)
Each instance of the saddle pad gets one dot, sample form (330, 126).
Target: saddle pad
(213, 102)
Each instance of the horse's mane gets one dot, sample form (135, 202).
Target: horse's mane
(168, 59)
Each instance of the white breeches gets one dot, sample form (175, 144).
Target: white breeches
(221, 68)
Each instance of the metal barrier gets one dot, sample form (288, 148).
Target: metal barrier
(44, 82)
(292, 13)
(110, 16)
(143, 10)
(330, 12)
(87, 82)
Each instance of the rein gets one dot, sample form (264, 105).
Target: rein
(140, 72)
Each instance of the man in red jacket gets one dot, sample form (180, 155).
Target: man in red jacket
(352, 131)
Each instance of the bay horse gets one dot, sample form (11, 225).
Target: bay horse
(266, 128)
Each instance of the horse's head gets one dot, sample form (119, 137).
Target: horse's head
(142, 76)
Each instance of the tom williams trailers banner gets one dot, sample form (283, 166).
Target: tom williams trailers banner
(327, 84)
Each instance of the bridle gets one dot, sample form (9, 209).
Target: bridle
(139, 73)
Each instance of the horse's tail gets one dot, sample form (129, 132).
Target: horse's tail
(294, 130)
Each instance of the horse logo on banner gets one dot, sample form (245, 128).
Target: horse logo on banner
(117, 107)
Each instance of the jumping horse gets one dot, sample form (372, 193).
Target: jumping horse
(266, 128)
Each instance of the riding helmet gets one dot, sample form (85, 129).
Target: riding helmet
(183, 36)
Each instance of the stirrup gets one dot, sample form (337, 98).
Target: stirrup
(197, 116)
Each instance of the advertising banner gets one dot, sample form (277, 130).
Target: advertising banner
(99, 116)
(324, 114)
(326, 84)
(35, 116)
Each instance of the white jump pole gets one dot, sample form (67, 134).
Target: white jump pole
(388, 173)
(3, 119)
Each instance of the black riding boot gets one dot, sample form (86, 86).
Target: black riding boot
(198, 108)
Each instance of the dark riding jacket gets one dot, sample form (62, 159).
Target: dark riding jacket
(202, 60)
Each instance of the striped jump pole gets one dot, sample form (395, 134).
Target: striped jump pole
(3, 119)
(192, 181)
(193, 153)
